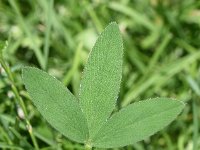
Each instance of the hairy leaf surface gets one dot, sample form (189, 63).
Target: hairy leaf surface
(55, 102)
(101, 78)
(137, 121)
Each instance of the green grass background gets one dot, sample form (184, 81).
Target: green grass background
(161, 59)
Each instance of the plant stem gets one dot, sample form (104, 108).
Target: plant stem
(18, 99)
(88, 145)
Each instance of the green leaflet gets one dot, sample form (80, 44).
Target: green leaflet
(101, 78)
(137, 121)
(55, 102)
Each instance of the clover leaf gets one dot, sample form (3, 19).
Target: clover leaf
(88, 118)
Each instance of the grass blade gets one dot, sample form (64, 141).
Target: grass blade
(48, 31)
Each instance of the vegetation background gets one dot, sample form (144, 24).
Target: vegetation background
(161, 59)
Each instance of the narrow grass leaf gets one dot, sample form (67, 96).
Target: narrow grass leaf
(3, 45)
(136, 16)
(101, 78)
(137, 121)
(55, 102)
